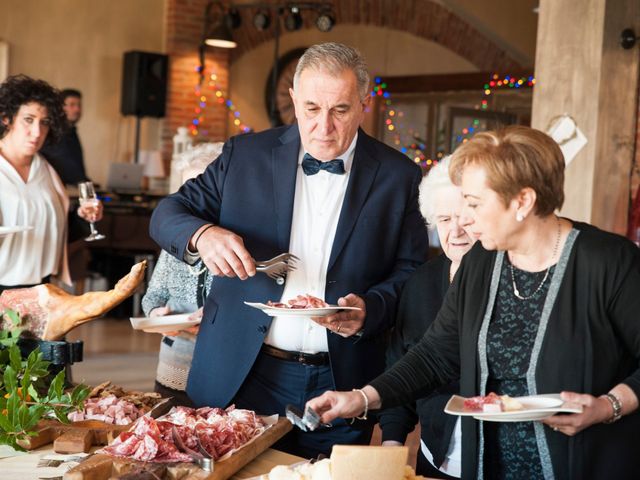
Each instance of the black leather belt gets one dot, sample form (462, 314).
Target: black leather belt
(314, 359)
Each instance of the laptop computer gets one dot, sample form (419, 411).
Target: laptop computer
(125, 177)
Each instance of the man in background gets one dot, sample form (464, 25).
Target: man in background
(66, 156)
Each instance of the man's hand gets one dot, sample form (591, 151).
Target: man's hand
(345, 323)
(223, 252)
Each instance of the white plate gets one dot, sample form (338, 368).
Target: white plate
(166, 323)
(298, 312)
(16, 229)
(536, 407)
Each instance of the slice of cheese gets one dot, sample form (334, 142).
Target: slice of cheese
(510, 404)
(355, 462)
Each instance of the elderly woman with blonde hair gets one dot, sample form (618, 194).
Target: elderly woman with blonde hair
(441, 206)
(540, 305)
(176, 287)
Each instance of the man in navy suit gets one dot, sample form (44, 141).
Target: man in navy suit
(342, 202)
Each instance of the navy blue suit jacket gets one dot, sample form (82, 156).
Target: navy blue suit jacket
(380, 240)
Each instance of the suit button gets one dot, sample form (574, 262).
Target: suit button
(174, 249)
(262, 329)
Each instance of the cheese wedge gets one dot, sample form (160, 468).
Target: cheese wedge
(355, 462)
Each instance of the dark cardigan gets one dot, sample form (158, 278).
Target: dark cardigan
(592, 343)
(419, 304)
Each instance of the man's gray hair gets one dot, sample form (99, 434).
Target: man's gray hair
(334, 58)
(430, 186)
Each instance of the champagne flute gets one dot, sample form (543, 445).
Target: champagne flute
(87, 196)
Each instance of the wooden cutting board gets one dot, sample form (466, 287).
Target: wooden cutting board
(104, 467)
(73, 437)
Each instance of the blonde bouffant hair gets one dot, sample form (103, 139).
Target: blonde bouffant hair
(516, 157)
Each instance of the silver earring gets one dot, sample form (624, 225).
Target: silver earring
(519, 217)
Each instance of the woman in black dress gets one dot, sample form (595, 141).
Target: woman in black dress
(540, 305)
(441, 204)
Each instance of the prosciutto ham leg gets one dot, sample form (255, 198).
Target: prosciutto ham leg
(48, 312)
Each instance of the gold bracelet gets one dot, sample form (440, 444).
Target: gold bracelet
(366, 403)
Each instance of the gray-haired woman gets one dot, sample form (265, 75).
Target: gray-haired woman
(177, 287)
(441, 204)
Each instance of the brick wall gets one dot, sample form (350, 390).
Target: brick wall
(184, 20)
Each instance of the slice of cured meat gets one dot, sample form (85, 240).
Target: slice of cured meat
(492, 403)
(301, 301)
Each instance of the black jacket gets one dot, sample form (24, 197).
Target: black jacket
(592, 343)
(420, 302)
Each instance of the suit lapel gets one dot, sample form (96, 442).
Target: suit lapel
(361, 179)
(284, 160)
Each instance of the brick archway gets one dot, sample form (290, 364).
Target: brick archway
(184, 18)
(422, 18)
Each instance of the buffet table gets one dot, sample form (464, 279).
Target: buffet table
(25, 467)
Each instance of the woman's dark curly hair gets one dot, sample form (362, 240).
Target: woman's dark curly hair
(18, 90)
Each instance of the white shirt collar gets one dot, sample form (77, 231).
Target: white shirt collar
(346, 157)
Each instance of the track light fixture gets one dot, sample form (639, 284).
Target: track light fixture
(293, 19)
(325, 21)
(262, 20)
(233, 18)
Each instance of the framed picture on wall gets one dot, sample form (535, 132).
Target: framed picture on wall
(4, 60)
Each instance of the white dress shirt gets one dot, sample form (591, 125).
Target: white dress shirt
(28, 257)
(452, 463)
(316, 210)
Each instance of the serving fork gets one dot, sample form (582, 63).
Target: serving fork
(277, 267)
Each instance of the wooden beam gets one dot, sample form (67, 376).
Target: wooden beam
(582, 70)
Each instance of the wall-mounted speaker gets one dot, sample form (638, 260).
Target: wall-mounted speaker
(144, 84)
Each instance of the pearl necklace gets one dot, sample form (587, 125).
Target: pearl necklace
(516, 292)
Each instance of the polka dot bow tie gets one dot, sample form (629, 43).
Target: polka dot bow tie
(311, 166)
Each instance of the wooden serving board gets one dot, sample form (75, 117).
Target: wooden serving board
(105, 467)
(73, 437)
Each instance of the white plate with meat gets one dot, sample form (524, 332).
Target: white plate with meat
(4, 230)
(502, 408)
(164, 324)
(300, 306)
(274, 311)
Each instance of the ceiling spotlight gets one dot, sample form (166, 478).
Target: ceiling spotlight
(262, 20)
(293, 20)
(325, 21)
(233, 18)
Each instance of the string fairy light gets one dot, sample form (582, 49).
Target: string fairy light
(217, 96)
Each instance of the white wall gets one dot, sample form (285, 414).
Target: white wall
(79, 44)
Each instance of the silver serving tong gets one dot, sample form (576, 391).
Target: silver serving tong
(200, 458)
(307, 421)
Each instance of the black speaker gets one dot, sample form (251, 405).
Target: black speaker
(144, 84)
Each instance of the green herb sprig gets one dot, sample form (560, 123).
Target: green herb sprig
(25, 398)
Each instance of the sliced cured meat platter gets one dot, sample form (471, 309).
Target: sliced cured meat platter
(104, 467)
